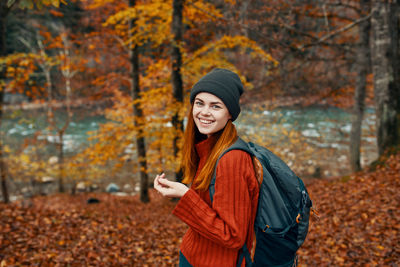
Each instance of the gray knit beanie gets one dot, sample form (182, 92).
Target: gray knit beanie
(224, 84)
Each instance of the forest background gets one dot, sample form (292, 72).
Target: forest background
(131, 65)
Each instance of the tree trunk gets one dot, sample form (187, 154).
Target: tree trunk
(363, 63)
(61, 173)
(385, 67)
(3, 174)
(395, 47)
(138, 112)
(177, 85)
(66, 71)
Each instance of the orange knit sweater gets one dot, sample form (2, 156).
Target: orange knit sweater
(217, 231)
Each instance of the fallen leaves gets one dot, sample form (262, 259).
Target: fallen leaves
(359, 220)
(64, 230)
(359, 226)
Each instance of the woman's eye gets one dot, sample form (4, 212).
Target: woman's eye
(198, 103)
(216, 107)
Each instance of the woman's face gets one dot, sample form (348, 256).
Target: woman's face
(209, 113)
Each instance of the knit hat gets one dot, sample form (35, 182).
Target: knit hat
(224, 84)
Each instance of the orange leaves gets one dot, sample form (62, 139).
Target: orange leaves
(359, 220)
(56, 13)
(119, 231)
(152, 23)
(19, 69)
(359, 226)
(152, 31)
(200, 12)
(47, 53)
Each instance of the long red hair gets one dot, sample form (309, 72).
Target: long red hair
(190, 159)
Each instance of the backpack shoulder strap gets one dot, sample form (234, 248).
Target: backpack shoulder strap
(239, 144)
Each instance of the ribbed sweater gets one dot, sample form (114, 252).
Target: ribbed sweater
(217, 231)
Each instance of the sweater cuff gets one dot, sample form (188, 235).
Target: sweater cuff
(185, 205)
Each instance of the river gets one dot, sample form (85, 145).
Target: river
(323, 128)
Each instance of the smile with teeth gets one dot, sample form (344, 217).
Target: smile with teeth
(205, 121)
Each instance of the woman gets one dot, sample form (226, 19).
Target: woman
(217, 229)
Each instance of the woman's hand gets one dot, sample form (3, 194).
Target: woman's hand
(168, 188)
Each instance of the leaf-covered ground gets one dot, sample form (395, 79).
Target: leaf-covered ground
(359, 219)
(62, 230)
(359, 225)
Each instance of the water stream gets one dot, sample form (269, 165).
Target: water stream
(320, 127)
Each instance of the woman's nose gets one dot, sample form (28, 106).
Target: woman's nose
(205, 111)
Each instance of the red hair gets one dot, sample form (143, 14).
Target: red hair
(190, 159)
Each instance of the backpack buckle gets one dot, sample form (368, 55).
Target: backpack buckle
(265, 228)
(298, 218)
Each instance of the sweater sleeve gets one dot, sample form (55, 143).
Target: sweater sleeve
(226, 222)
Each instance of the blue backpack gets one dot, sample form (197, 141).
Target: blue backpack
(283, 211)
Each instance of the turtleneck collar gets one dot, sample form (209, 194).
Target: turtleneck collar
(203, 148)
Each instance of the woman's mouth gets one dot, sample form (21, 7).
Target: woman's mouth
(203, 121)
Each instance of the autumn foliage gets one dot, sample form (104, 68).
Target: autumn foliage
(359, 225)
(286, 53)
(360, 220)
(64, 229)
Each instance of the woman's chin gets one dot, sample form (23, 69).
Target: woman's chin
(206, 132)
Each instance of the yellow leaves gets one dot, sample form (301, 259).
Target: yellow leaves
(123, 16)
(200, 12)
(55, 3)
(230, 42)
(6, 149)
(24, 159)
(40, 3)
(216, 53)
(10, 69)
(151, 23)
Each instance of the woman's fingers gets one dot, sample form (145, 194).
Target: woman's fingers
(169, 188)
(165, 182)
(157, 184)
(161, 184)
(165, 191)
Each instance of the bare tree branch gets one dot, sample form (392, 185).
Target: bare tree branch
(9, 5)
(234, 22)
(336, 32)
(317, 41)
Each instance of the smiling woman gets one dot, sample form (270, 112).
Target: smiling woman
(210, 113)
(218, 229)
